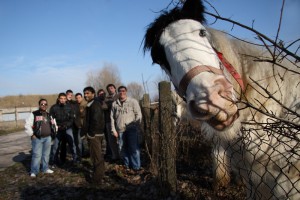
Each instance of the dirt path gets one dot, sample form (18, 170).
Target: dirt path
(14, 147)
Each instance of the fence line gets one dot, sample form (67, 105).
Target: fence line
(16, 111)
(161, 138)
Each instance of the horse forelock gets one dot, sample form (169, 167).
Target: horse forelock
(192, 9)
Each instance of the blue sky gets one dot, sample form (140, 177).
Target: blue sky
(49, 46)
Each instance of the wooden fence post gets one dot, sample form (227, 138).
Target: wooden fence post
(150, 118)
(1, 115)
(155, 144)
(145, 105)
(167, 158)
(16, 116)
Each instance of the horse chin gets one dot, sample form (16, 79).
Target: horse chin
(222, 125)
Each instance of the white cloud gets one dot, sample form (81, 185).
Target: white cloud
(46, 76)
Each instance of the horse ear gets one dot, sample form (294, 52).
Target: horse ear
(193, 9)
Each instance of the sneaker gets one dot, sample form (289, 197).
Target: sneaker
(32, 175)
(52, 166)
(76, 162)
(48, 171)
(130, 171)
(138, 171)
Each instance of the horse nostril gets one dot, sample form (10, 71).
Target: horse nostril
(223, 87)
(198, 109)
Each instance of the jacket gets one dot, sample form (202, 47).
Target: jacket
(93, 124)
(125, 115)
(33, 124)
(64, 116)
(75, 107)
(82, 106)
(108, 102)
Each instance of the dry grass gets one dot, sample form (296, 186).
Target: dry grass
(25, 100)
(73, 182)
(12, 130)
(194, 177)
(194, 181)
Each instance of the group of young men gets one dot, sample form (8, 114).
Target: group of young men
(114, 117)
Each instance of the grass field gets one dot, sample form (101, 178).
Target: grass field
(11, 127)
(25, 100)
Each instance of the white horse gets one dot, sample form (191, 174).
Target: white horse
(255, 130)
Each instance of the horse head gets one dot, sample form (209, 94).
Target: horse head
(179, 43)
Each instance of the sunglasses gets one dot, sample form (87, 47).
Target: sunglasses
(43, 104)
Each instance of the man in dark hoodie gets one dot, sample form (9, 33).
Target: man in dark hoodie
(113, 146)
(64, 116)
(76, 125)
(93, 129)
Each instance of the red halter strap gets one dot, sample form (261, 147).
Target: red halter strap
(205, 68)
(231, 70)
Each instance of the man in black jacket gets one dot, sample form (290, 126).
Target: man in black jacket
(93, 129)
(64, 117)
(76, 125)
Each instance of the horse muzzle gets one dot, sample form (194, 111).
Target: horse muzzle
(218, 117)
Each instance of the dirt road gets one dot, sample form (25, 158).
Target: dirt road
(14, 147)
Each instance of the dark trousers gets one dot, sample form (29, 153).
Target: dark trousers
(97, 158)
(107, 146)
(59, 148)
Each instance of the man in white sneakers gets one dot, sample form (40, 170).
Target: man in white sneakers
(40, 126)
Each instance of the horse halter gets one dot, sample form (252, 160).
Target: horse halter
(186, 79)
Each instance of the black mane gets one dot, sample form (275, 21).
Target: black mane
(192, 9)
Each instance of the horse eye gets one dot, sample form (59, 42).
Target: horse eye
(202, 32)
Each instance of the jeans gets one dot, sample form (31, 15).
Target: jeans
(129, 148)
(63, 137)
(40, 154)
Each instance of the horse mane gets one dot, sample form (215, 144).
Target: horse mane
(260, 78)
(155, 29)
(239, 53)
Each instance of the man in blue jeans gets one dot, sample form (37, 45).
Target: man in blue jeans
(40, 126)
(126, 117)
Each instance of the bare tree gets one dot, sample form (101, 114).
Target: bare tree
(99, 79)
(135, 90)
(92, 78)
